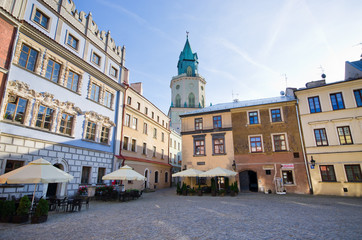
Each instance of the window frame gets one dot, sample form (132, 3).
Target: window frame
(89, 169)
(344, 135)
(107, 99)
(254, 116)
(250, 144)
(353, 173)
(15, 113)
(52, 72)
(217, 122)
(94, 94)
(96, 59)
(65, 125)
(285, 142)
(215, 137)
(154, 151)
(125, 144)
(327, 177)
(42, 15)
(321, 144)
(134, 145)
(127, 121)
(115, 70)
(293, 177)
(43, 118)
(105, 135)
(135, 123)
(358, 92)
(315, 110)
(145, 128)
(144, 148)
(14, 163)
(201, 140)
(72, 84)
(89, 131)
(29, 57)
(100, 175)
(280, 115)
(337, 103)
(71, 37)
(198, 123)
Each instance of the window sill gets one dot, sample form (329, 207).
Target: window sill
(91, 141)
(353, 182)
(218, 154)
(100, 104)
(11, 185)
(277, 122)
(289, 185)
(199, 155)
(329, 182)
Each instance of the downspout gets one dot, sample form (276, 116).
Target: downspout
(304, 153)
(123, 114)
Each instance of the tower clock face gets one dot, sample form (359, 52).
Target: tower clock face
(202, 88)
(191, 85)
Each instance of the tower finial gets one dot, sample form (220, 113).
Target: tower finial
(187, 34)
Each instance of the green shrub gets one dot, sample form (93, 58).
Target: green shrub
(24, 206)
(8, 209)
(42, 208)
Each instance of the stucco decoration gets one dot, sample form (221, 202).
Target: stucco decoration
(71, 67)
(68, 108)
(103, 88)
(100, 121)
(51, 56)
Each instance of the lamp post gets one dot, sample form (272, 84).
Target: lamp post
(312, 162)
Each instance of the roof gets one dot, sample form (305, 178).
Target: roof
(356, 64)
(327, 84)
(187, 54)
(230, 105)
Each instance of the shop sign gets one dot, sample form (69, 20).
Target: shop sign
(288, 166)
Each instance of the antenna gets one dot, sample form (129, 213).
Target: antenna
(358, 45)
(286, 79)
(322, 70)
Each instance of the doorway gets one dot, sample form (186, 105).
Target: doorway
(248, 181)
(53, 187)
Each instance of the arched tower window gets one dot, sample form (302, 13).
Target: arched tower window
(189, 71)
(178, 100)
(191, 100)
(202, 101)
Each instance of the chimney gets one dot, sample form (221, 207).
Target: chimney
(137, 87)
(315, 83)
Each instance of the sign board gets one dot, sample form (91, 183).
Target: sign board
(311, 167)
(288, 166)
(268, 167)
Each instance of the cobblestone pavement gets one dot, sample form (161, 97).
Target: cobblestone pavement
(164, 215)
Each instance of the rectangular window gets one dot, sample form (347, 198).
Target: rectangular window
(163, 123)
(321, 137)
(353, 173)
(105, 135)
(337, 101)
(12, 165)
(95, 92)
(287, 177)
(15, 109)
(138, 106)
(125, 143)
(200, 180)
(162, 153)
(162, 137)
(146, 110)
(135, 123)
(108, 99)
(113, 72)
(155, 133)
(129, 100)
(276, 115)
(72, 41)
(28, 57)
(133, 147)
(255, 145)
(314, 105)
(73, 80)
(253, 118)
(218, 144)
(96, 59)
(158, 118)
(66, 124)
(145, 128)
(52, 72)
(178, 147)
(358, 97)
(101, 173)
(198, 123)
(344, 135)
(128, 120)
(144, 150)
(44, 118)
(154, 152)
(280, 142)
(91, 131)
(153, 115)
(41, 19)
(174, 144)
(217, 121)
(85, 175)
(199, 146)
(327, 173)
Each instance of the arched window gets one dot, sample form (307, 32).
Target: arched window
(166, 177)
(156, 177)
(202, 101)
(191, 100)
(189, 71)
(178, 100)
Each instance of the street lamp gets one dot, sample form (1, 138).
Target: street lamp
(312, 161)
(234, 165)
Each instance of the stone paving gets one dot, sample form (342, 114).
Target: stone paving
(164, 215)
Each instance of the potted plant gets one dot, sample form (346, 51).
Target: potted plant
(22, 213)
(222, 192)
(83, 191)
(178, 189)
(41, 212)
(8, 211)
(227, 185)
(192, 191)
(232, 190)
(184, 189)
(213, 187)
(199, 191)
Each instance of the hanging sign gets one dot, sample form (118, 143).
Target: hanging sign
(288, 165)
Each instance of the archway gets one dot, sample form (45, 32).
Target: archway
(248, 181)
(53, 187)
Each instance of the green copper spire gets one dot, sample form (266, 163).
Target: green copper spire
(188, 61)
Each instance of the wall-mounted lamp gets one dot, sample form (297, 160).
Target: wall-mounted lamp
(234, 165)
(312, 161)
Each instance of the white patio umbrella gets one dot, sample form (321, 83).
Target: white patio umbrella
(218, 172)
(124, 173)
(37, 171)
(188, 173)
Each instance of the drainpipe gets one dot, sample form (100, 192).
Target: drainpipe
(123, 114)
(304, 153)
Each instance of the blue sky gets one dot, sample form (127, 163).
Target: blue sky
(245, 48)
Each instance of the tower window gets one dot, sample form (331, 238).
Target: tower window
(191, 100)
(178, 101)
(189, 71)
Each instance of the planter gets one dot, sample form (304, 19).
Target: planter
(6, 219)
(199, 192)
(20, 218)
(213, 193)
(232, 193)
(184, 192)
(40, 219)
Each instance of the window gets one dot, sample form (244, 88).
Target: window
(353, 173)
(327, 173)
(41, 19)
(178, 147)
(189, 71)
(135, 123)
(268, 172)
(72, 41)
(91, 131)
(200, 180)
(255, 144)
(138, 106)
(52, 72)
(178, 100)
(44, 118)
(158, 118)
(162, 137)
(153, 115)
(358, 97)
(314, 105)
(337, 101)
(144, 150)
(253, 118)
(162, 153)
(199, 146)
(154, 152)
(174, 158)
(276, 115)
(108, 99)
(105, 135)
(344, 135)
(125, 143)
(12, 165)
(156, 177)
(113, 72)
(72, 82)
(101, 173)
(96, 59)
(218, 144)
(166, 177)
(85, 175)
(321, 137)
(145, 128)
(191, 100)
(279, 143)
(15, 109)
(155, 133)
(287, 177)
(95, 92)
(129, 100)
(174, 144)
(133, 147)
(28, 57)
(128, 120)
(146, 110)
(217, 121)
(66, 124)
(198, 123)
(163, 122)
